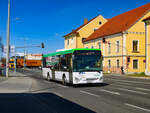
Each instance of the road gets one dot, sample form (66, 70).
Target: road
(117, 95)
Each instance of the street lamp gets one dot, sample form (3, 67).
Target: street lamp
(8, 40)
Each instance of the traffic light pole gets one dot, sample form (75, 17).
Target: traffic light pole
(42, 46)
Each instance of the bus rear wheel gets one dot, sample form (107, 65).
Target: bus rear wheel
(64, 81)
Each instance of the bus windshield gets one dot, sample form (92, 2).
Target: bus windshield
(87, 61)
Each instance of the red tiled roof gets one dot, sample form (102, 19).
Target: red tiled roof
(148, 18)
(76, 30)
(120, 23)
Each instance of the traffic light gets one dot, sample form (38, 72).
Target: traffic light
(42, 45)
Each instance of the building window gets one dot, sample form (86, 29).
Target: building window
(109, 48)
(135, 64)
(92, 47)
(118, 65)
(95, 29)
(100, 22)
(135, 45)
(83, 39)
(71, 40)
(68, 42)
(118, 46)
(99, 45)
(109, 63)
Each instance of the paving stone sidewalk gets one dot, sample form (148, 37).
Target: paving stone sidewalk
(16, 83)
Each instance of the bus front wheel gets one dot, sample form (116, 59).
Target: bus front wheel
(64, 80)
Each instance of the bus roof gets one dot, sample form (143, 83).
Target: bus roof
(68, 51)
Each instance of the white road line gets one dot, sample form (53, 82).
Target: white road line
(47, 81)
(118, 85)
(116, 93)
(58, 94)
(123, 83)
(137, 107)
(129, 81)
(89, 93)
(62, 86)
(132, 91)
(143, 89)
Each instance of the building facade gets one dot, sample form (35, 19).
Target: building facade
(122, 41)
(76, 37)
(147, 36)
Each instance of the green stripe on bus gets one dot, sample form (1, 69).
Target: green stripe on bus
(68, 51)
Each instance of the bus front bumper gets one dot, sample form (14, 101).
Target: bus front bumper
(88, 80)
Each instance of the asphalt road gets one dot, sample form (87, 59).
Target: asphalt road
(117, 95)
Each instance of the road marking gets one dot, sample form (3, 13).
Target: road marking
(129, 81)
(118, 85)
(137, 107)
(132, 91)
(116, 93)
(123, 83)
(89, 93)
(58, 94)
(47, 81)
(143, 89)
(62, 86)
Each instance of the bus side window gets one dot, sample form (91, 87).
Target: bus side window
(62, 62)
(56, 66)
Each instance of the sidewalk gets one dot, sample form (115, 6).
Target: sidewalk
(16, 83)
(116, 74)
(2, 78)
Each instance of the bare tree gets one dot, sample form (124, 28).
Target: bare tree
(1, 47)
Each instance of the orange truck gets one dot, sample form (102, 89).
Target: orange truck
(28, 63)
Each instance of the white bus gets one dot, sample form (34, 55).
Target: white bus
(74, 66)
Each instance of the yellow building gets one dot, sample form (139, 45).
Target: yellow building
(76, 37)
(147, 35)
(122, 40)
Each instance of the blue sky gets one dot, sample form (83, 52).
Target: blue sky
(49, 20)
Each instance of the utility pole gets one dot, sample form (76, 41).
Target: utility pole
(24, 61)
(7, 44)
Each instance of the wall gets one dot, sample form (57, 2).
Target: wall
(137, 32)
(72, 42)
(148, 36)
(88, 29)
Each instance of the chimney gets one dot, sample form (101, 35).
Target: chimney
(85, 21)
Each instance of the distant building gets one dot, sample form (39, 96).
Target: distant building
(122, 41)
(75, 38)
(34, 56)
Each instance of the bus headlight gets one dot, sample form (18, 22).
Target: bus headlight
(101, 78)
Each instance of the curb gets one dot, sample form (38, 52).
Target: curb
(17, 74)
(147, 78)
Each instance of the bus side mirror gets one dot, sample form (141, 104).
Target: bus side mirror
(102, 58)
(73, 57)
